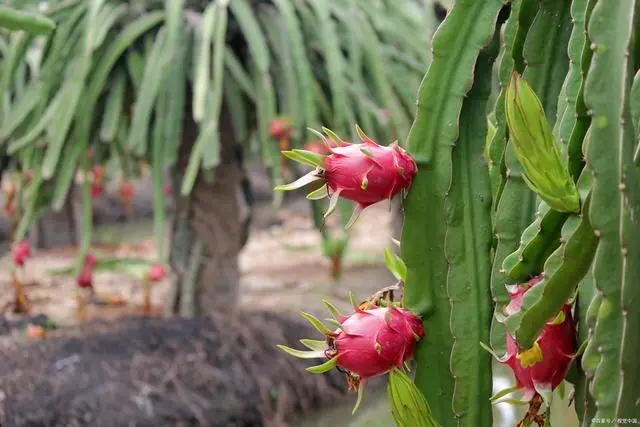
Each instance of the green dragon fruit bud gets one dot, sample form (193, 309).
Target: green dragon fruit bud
(536, 148)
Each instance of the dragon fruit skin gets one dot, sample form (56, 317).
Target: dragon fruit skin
(372, 342)
(368, 173)
(557, 345)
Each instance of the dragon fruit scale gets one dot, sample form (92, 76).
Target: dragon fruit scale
(542, 368)
(367, 343)
(365, 173)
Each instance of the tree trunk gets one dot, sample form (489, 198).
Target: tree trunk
(207, 231)
(59, 228)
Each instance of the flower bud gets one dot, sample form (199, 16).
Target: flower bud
(536, 148)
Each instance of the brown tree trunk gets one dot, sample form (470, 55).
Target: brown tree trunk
(58, 228)
(206, 231)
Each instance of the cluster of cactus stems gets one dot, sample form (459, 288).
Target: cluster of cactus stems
(522, 225)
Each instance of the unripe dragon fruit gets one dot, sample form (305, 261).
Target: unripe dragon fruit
(21, 252)
(364, 173)
(367, 344)
(542, 368)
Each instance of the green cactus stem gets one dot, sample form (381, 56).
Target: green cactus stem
(608, 357)
(456, 46)
(544, 52)
(468, 251)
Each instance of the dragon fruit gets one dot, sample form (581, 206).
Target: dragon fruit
(21, 252)
(96, 190)
(85, 277)
(281, 128)
(90, 260)
(542, 368)
(156, 273)
(364, 173)
(367, 343)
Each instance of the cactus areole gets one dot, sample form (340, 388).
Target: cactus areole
(367, 344)
(542, 368)
(364, 173)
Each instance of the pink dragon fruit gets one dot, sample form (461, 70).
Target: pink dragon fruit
(156, 273)
(85, 277)
(281, 128)
(90, 260)
(542, 368)
(365, 173)
(21, 252)
(368, 343)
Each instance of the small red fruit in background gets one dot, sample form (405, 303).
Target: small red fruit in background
(156, 273)
(168, 191)
(90, 260)
(98, 173)
(96, 190)
(126, 194)
(281, 128)
(35, 332)
(85, 277)
(21, 252)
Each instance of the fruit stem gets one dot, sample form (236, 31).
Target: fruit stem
(81, 308)
(146, 304)
(21, 301)
(336, 265)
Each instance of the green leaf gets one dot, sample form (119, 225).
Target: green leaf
(305, 157)
(316, 323)
(395, 264)
(325, 367)
(302, 354)
(34, 23)
(202, 79)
